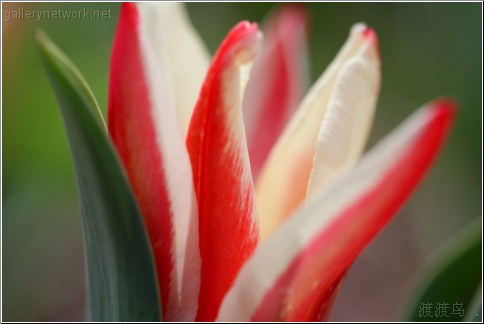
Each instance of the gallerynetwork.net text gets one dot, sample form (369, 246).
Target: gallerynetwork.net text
(39, 15)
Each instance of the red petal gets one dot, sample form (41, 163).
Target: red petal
(221, 169)
(277, 82)
(143, 125)
(294, 274)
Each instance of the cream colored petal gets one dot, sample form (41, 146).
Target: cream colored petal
(349, 116)
(283, 183)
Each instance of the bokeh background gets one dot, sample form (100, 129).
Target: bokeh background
(428, 50)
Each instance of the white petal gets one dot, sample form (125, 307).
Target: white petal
(180, 51)
(349, 116)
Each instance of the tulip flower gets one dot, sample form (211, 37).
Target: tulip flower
(201, 209)
(254, 209)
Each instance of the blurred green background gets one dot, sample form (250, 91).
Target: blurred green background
(428, 50)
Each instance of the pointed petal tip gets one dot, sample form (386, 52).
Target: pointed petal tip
(358, 28)
(289, 19)
(246, 28)
(292, 14)
(368, 33)
(128, 15)
(362, 33)
(248, 36)
(128, 6)
(443, 111)
(446, 106)
(245, 24)
(371, 36)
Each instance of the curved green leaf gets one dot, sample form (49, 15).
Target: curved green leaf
(447, 289)
(121, 274)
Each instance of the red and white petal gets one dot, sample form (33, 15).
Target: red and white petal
(277, 82)
(221, 169)
(292, 275)
(283, 182)
(142, 122)
(180, 51)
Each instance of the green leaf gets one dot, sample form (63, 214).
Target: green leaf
(121, 275)
(450, 282)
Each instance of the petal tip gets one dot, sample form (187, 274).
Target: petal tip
(371, 36)
(128, 6)
(249, 36)
(246, 26)
(129, 14)
(446, 104)
(444, 109)
(369, 33)
(358, 28)
(292, 14)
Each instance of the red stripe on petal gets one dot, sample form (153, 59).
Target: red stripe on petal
(132, 129)
(277, 82)
(305, 289)
(223, 183)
